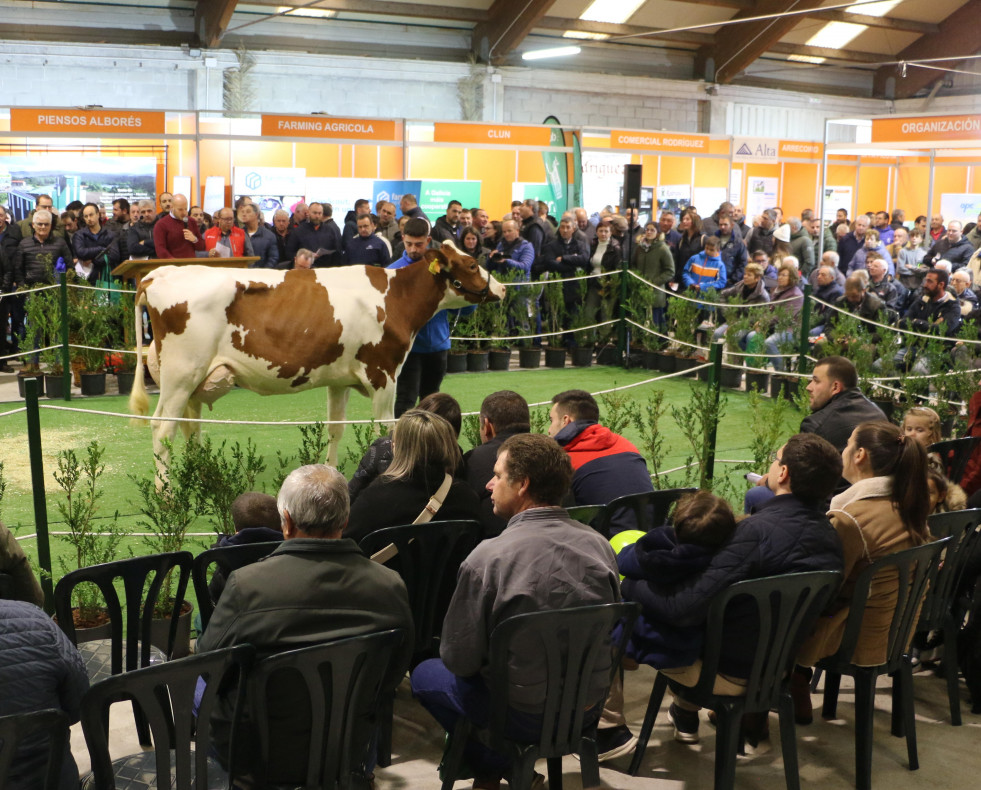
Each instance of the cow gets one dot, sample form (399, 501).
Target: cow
(275, 332)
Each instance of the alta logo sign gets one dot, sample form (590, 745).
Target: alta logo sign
(756, 149)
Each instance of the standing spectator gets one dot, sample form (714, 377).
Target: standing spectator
(937, 229)
(604, 256)
(139, 237)
(176, 235)
(532, 229)
(122, 220)
(387, 225)
(262, 239)
(512, 251)
(282, 228)
(37, 255)
(739, 222)
(801, 245)
(884, 227)
(39, 669)
(42, 203)
(95, 247)
(470, 243)
(197, 214)
(566, 256)
(368, 248)
(226, 240)
(732, 249)
(705, 270)
(320, 234)
(852, 243)
(952, 247)
(666, 227)
(584, 226)
(447, 227)
(410, 208)
(480, 221)
(10, 306)
(689, 244)
(710, 225)
(820, 235)
(166, 202)
(761, 236)
(653, 261)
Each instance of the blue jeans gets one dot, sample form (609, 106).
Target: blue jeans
(779, 363)
(448, 698)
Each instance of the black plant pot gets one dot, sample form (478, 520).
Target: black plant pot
(609, 355)
(666, 363)
(582, 357)
(54, 385)
(529, 357)
(21, 379)
(732, 377)
(651, 360)
(759, 380)
(789, 386)
(686, 363)
(94, 383)
(500, 359)
(888, 406)
(477, 361)
(456, 362)
(124, 380)
(555, 357)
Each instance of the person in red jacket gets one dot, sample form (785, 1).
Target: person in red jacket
(225, 240)
(176, 235)
(606, 465)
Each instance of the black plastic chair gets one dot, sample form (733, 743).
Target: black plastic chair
(345, 682)
(143, 579)
(916, 566)
(650, 508)
(15, 728)
(428, 558)
(6, 586)
(228, 559)
(575, 644)
(787, 607)
(941, 610)
(954, 455)
(585, 514)
(181, 756)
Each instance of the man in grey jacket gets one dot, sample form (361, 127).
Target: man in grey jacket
(543, 560)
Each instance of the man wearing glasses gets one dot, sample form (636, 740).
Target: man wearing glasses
(42, 203)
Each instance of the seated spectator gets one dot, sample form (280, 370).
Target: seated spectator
(858, 301)
(892, 293)
(256, 520)
(269, 605)
(665, 558)
(792, 298)
(425, 456)
(923, 424)
(960, 284)
(882, 512)
(871, 243)
(829, 287)
(945, 496)
(606, 465)
(379, 455)
(503, 414)
(951, 246)
(932, 311)
(39, 669)
(543, 561)
(23, 584)
(749, 291)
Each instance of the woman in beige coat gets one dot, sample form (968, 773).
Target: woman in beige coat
(883, 511)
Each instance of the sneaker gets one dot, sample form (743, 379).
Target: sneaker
(685, 724)
(614, 742)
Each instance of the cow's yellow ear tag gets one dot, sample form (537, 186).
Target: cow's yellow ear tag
(434, 267)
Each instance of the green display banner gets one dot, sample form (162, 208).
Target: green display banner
(576, 171)
(434, 195)
(556, 167)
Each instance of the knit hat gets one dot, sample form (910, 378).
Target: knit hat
(783, 233)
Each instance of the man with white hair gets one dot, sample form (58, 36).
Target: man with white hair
(316, 586)
(960, 283)
(893, 294)
(37, 255)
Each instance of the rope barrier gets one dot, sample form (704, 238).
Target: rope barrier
(678, 295)
(546, 279)
(107, 350)
(100, 288)
(892, 328)
(706, 350)
(539, 334)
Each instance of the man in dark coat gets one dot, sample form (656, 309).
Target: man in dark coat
(320, 234)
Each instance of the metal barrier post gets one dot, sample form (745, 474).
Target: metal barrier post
(66, 360)
(805, 329)
(37, 484)
(715, 386)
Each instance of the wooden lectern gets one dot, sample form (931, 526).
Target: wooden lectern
(138, 269)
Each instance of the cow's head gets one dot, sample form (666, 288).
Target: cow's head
(464, 278)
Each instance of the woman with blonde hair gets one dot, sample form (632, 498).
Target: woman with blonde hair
(425, 456)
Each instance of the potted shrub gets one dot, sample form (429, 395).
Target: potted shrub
(456, 360)
(498, 322)
(554, 316)
(89, 329)
(42, 312)
(478, 354)
(683, 317)
(93, 541)
(739, 322)
(122, 330)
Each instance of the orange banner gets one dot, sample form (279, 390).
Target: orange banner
(328, 127)
(660, 141)
(491, 134)
(799, 149)
(46, 119)
(936, 127)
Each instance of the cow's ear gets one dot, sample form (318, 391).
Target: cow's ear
(437, 261)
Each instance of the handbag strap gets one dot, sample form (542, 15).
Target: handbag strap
(436, 502)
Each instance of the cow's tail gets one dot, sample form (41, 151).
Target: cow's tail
(139, 400)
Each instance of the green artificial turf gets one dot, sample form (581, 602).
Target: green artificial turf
(128, 450)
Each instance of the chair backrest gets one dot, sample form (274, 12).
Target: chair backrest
(344, 681)
(585, 514)
(6, 586)
(146, 574)
(963, 552)
(787, 607)
(429, 556)
(915, 566)
(649, 508)
(166, 695)
(228, 559)
(575, 646)
(954, 455)
(16, 728)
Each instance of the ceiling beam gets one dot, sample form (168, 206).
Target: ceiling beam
(738, 45)
(211, 18)
(957, 36)
(386, 8)
(95, 35)
(504, 30)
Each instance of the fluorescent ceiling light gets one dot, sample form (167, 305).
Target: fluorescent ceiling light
(614, 11)
(874, 9)
(584, 34)
(836, 35)
(806, 59)
(315, 13)
(553, 52)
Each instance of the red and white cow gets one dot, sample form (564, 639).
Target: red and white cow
(275, 332)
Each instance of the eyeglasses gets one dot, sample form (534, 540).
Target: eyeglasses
(42, 224)
(774, 457)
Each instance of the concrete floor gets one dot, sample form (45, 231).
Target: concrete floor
(948, 755)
